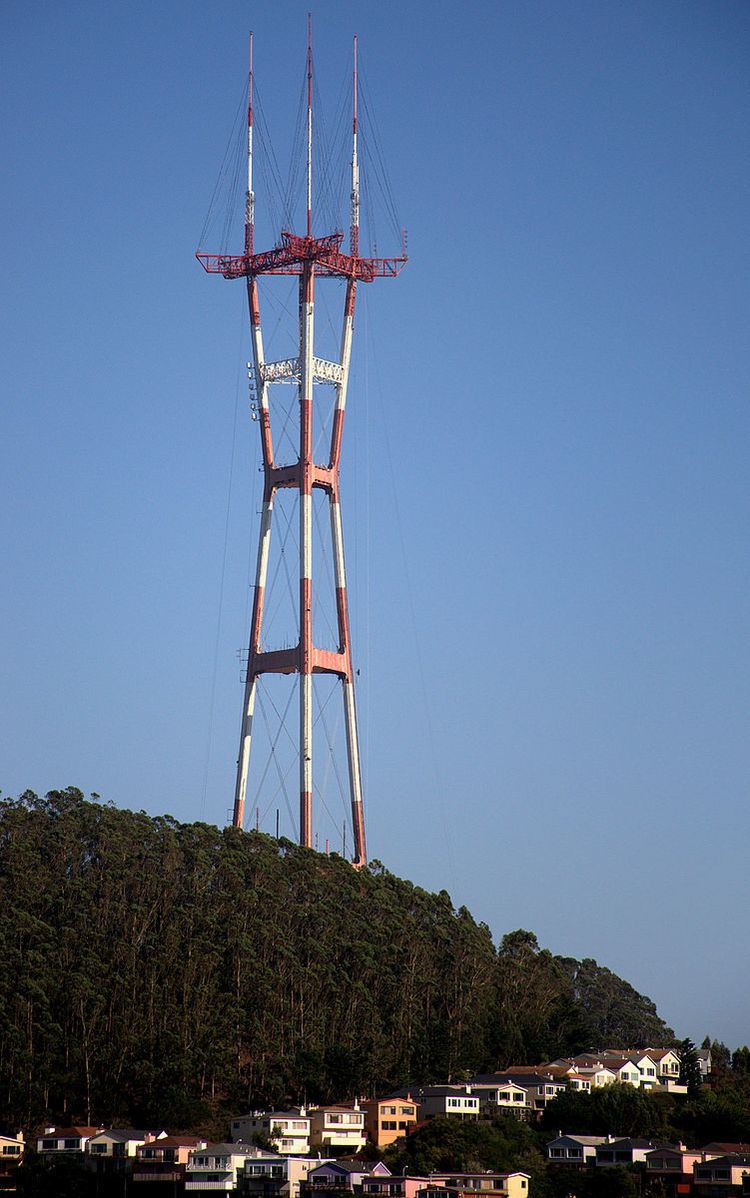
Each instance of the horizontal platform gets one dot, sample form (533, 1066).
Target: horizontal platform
(292, 253)
(287, 661)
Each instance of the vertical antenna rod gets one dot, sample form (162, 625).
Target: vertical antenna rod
(249, 196)
(354, 227)
(309, 125)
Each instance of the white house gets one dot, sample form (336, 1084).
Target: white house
(288, 1131)
(65, 1139)
(219, 1168)
(573, 1150)
(11, 1148)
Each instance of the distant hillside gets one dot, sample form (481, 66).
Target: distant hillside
(162, 973)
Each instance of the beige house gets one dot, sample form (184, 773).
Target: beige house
(283, 1173)
(337, 1127)
(119, 1142)
(724, 1171)
(11, 1150)
(488, 1185)
(220, 1168)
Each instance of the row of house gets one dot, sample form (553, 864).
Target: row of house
(193, 1166)
(524, 1090)
(719, 1169)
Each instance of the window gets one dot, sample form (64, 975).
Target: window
(650, 1072)
(389, 1125)
(72, 1143)
(48, 1145)
(557, 1152)
(402, 1125)
(518, 1097)
(408, 1110)
(334, 1119)
(100, 1148)
(11, 1150)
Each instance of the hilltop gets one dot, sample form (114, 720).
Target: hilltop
(169, 972)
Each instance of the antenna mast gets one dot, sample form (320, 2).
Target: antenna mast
(309, 125)
(354, 228)
(249, 196)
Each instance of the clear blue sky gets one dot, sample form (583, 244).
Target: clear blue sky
(550, 609)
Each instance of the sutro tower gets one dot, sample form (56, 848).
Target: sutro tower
(308, 257)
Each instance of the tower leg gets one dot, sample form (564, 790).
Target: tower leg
(248, 708)
(305, 550)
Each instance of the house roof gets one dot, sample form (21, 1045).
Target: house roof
(123, 1134)
(721, 1146)
(729, 1158)
(237, 1149)
(588, 1141)
(176, 1142)
(353, 1166)
(434, 1092)
(630, 1142)
(66, 1133)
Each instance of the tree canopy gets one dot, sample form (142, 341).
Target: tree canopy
(159, 972)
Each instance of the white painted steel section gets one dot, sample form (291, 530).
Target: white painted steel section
(287, 371)
(337, 537)
(352, 750)
(326, 372)
(248, 710)
(346, 357)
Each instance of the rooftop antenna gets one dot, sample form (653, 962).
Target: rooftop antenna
(354, 228)
(309, 124)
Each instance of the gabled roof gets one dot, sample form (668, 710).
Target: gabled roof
(67, 1133)
(634, 1143)
(123, 1134)
(347, 1167)
(587, 1141)
(176, 1142)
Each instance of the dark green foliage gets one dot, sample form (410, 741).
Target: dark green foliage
(616, 1109)
(164, 973)
(502, 1144)
(690, 1072)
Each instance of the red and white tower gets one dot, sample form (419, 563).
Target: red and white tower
(310, 258)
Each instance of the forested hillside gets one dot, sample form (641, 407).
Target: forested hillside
(163, 973)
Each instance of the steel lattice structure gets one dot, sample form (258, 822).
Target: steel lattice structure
(308, 257)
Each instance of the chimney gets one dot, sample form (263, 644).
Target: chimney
(49, 1131)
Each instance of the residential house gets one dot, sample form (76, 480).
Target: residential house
(626, 1151)
(217, 1168)
(117, 1143)
(164, 1160)
(723, 1174)
(65, 1139)
(11, 1155)
(342, 1177)
(288, 1131)
(508, 1095)
(704, 1061)
(667, 1062)
(469, 1185)
(387, 1119)
(277, 1177)
(339, 1128)
(405, 1186)
(540, 1083)
(574, 1150)
(455, 1102)
(580, 1082)
(11, 1148)
(674, 1166)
